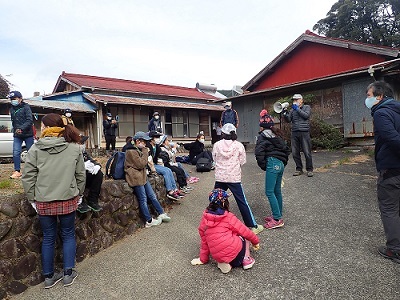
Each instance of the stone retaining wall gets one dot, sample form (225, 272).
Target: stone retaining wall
(21, 236)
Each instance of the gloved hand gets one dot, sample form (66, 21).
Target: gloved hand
(96, 169)
(295, 106)
(34, 206)
(196, 261)
(89, 166)
(256, 247)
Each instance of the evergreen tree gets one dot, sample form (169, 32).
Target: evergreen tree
(369, 21)
(4, 87)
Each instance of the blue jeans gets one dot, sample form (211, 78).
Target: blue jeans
(17, 149)
(144, 193)
(301, 140)
(49, 228)
(169, 179)
(187, 175)
(238, 193)
(273, 184)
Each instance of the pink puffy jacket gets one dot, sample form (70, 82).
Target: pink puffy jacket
(220, 236)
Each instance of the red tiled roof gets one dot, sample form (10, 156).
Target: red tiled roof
(115, 84)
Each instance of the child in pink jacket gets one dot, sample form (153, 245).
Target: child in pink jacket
(224, 236)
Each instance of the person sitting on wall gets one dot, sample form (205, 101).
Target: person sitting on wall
(128, 144)
(94, 179)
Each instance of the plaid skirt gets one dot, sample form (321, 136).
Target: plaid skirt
(57, 207)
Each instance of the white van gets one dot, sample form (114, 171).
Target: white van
(6, 139)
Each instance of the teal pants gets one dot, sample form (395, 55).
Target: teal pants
(273, 183)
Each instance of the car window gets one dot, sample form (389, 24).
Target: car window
(5, 126)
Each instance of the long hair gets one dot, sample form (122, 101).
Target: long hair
(232, 136)
(70, 133)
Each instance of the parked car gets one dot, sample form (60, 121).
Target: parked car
(6, 139)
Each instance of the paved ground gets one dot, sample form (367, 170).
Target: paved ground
(327, 249)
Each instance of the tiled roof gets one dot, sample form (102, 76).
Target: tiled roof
(152, 102)
(122, 85)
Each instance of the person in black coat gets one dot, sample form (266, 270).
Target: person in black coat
(155, 123)
(272, 156)
(196, 149)
(110, 125)
(22, 123)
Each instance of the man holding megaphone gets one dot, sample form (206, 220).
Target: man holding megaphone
(299, 116)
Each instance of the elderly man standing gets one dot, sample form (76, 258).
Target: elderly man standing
(299, 116)
(386, 116)
(22, 123)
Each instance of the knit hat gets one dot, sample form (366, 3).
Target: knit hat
(218, 196)
(266, 121)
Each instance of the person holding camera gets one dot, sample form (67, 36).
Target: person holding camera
(110, 125)
(299, 116)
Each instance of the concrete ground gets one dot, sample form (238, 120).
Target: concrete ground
(327, 249)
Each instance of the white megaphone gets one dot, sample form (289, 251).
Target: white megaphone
(279, 107)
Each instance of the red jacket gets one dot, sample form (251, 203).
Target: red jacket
(220, 236)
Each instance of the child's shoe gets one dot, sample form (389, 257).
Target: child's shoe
(164, 218)
(153, 222)
(248, 262)
(224, 267)
(274, 224)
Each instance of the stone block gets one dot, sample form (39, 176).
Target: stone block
(25, 266)
(5, 227)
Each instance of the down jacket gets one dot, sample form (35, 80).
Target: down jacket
(220, 236)
(21, 117)
(300, 118)
(270, 145)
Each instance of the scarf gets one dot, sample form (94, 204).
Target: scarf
(52, 131)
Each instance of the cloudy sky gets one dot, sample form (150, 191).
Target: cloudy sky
(179, 42)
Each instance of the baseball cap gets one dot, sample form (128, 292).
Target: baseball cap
(297, 96)
(14, 94)
(141, 135)
(154, 133)
(108, 114)
(227, 128)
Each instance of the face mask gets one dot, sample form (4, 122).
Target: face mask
(156, 117)
(201, 141)
(370, 101)
(109, 118)
(157, 141)
(68, 115)
(14, 102)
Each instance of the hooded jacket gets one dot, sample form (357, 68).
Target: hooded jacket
(229, 116)
(220, 236)
(21, 118)
(299, 118)
(135, 166)
(228, 157)
(54, 170)
(270, 145)
(386, 115)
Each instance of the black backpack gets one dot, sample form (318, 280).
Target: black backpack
(203, 165)
(116, 170)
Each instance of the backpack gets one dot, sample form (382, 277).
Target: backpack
(115, 166)
(203, 165)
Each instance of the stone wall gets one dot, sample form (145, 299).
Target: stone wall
(21, 236)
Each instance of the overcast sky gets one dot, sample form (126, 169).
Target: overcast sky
(177, 42)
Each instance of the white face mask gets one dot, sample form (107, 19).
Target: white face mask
(371, 101)
(202, 141)
(156, 117)
(157, 141)
(109, 118)
(68, 115)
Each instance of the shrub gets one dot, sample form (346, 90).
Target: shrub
(324, 135)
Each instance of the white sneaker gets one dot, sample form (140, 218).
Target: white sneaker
(153, 222)
(164, 218)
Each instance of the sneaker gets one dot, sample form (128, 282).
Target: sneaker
(52, 281)
(179, 194)
(257, 229)
(310, 174)
(268, 219)
(248, 262)
(69, 279)
(164, 218)
(386, 253)
(94, 206)
(192, 180)
(16, 175)
(154, 222)
(189, 188)
(173, 197)
(83, 208)
(274, 224)
(224, 267)
(185, 190)
(297, 173)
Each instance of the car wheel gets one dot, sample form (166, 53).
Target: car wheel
(24, 154)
